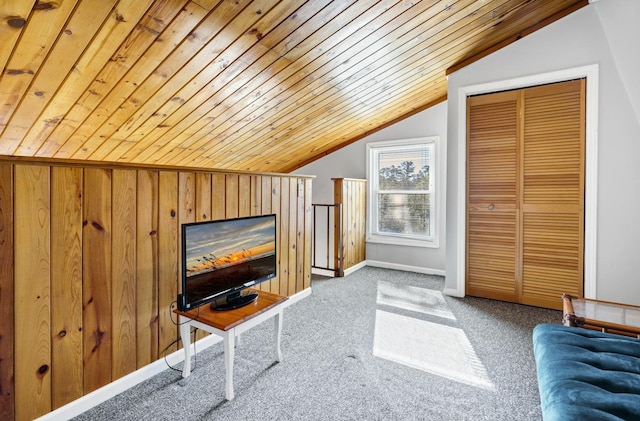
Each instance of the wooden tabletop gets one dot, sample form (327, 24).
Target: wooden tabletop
(227, 319)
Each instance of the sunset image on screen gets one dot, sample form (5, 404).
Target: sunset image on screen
(225, 244)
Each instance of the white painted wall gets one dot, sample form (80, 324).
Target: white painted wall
(619, 21)
(351, 162)
(580, 39)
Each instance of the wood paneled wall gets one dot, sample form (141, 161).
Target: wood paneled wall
(352, 195)
(89, 267)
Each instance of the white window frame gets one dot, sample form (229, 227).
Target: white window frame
(373, 149)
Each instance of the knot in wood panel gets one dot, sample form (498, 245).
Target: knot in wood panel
(16, 22)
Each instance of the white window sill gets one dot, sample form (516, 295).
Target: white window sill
(379, 239)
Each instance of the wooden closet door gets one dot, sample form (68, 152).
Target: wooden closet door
(525, 194)
(492, 196)
(552, 203)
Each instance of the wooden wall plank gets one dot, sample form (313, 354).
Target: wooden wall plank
(202, 211)
(284, 236)
(308, 224)
(123, 269)
(218, 196)
(347, 226)
(66, 285)
(299, 234)
(167, 258)
(96, 292)
(244, 195)
(265, 204)
(266, 195)
(256, 195)
(231, 195)
(7, 313)
(291, 232)
(147, 268)
(187, 212)
(186, 197)
(362, 210)
(275, 208)
(32, 292)
(203, 197)
(186, 208)
(256, 207)
(339, 236)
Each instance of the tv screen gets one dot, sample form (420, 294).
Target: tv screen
(221, 258)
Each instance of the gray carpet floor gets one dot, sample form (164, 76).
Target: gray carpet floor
(332, 368)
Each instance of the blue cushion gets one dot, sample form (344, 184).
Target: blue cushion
(586, 375)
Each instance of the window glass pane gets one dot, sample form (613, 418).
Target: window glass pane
(404, 213)
(404, 168)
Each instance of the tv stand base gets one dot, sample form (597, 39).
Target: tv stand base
(232, 302)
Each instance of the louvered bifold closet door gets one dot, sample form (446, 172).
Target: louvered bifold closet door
(552, 201)
(525, 194)
(492, 196)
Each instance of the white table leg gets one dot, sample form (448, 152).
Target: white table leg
(185, 335)
(229, 351)
(278, 329)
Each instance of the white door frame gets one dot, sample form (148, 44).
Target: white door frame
(589, 72)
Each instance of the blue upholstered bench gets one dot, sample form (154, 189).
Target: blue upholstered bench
(586, 375)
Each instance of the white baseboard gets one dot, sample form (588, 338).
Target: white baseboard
(88, 401)
(354, 268)
(298, 296)
(453, 292)
(323, 272)
(396, 266)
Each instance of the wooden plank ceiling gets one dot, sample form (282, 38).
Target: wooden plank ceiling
(241, 85)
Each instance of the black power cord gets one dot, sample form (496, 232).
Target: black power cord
(193, 332)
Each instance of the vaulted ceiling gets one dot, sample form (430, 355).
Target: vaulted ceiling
(259, 85)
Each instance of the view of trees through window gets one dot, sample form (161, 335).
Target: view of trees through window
(403, 199)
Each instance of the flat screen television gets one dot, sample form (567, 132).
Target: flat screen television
(221, 258)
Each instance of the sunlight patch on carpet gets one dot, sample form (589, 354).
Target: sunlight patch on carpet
(422, 300)
(441, 350)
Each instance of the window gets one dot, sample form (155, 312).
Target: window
(401, 180)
